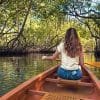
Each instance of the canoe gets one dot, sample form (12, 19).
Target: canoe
(47, 86)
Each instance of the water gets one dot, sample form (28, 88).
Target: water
(89, 57)
(15, 70)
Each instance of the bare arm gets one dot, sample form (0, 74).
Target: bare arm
(53, 57)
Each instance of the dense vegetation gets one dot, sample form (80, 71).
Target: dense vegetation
(41, 24)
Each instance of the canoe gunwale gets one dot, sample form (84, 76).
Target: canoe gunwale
(94, 78)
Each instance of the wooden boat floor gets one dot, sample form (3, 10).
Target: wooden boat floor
(80, 91)
(59, 96)
(54, 92)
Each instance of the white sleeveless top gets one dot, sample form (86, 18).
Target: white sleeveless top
(67, 62)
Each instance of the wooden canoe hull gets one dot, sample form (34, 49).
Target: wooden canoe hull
(45, 84)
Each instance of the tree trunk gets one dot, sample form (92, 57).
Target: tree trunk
(97, 48)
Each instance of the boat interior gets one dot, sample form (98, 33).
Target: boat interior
(54, 88)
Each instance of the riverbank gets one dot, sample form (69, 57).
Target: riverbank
(25, 51)
(20, 52)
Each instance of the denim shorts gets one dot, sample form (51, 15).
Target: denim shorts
(69, 74)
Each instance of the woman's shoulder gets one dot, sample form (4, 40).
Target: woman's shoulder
(60, 47)
(61, 44)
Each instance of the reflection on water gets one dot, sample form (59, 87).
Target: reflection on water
(15, 70)
(89, 57)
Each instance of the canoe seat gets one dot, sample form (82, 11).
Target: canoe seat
(82, 79)
(69, 82)
(61, 96)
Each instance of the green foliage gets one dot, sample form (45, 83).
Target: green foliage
(46, 22)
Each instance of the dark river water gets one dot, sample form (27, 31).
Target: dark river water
(15, 70)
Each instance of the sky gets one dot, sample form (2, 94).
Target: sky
(96, 1)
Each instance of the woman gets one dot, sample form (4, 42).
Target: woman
(71, 56)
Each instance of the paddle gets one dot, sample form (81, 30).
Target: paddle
(94, 64)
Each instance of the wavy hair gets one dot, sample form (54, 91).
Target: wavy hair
(72, 43)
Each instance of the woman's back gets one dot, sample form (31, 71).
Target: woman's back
(67, 62)
(71, 56)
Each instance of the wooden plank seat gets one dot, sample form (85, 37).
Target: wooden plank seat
(69, 82)
(62, 96)
(83, 77)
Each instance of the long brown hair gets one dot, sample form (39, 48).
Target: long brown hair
(72, 43)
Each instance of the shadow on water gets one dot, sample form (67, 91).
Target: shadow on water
(15, 70)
